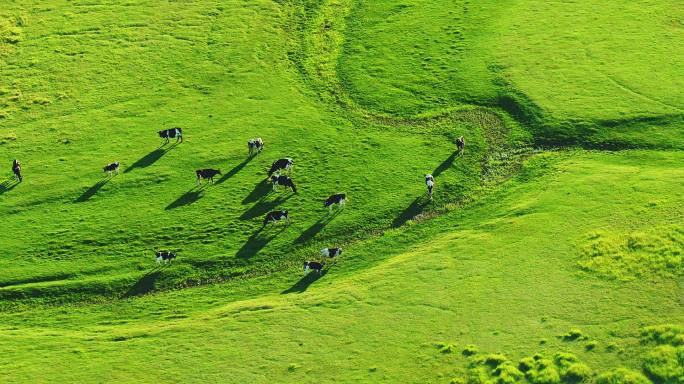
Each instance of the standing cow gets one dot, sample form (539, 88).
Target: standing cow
(460, 144)
(313, 266)
(113, 167)
(173, 133)
(331, 253)
(284, 181)
(430, 184)
(207, 174)
(16, 168)
(165, 256)
(255, 146)
(339, 199)
(280, 164)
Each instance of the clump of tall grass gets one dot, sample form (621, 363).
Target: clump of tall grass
(665, 363)
(622, 376)
(658, 252)
(664, 334)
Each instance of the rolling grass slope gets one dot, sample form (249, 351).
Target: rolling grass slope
(524, 249)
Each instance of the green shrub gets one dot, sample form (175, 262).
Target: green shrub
(622, 376)
(576, 373)
(494, 359)
(590, 346)
(447, 348)
(507, 373)
(666, 364)
(545, 375)
(469, 350)
(664, 334)
(572, 335)
(564, 359)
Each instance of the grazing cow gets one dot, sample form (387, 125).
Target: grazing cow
(113, 167)
(207, 174)
(16, 168)
(340, 199)
(276, 216)
(284, 181)
(165, 256)
(331, 252)
(255, 146)
(173, 133)
(460, 144)
(285, 164)
(430, 183)
(313, 266)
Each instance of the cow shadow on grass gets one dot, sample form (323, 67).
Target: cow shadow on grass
(8, 185)
(446, 164)
(304, 283)
(318, 226)
(412, 211)
(144, 285)
(150, 158)
(234, 171)
(263, 207)
(258, 241)
(260, 190)
(90, 192)
(187, 198)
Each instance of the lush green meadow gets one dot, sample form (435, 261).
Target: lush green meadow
(558, 231)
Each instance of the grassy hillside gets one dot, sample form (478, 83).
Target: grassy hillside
(483, 283)
(526, 248)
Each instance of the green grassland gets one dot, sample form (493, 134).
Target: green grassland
(568, 252)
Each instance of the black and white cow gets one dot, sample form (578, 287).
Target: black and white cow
(430, 184)
(280, 164)
(16, 168)
(313, 266)
(113, 167)
(255, 146)
(339, 198)
(207, 174)
(331, 252)
(165, 256)
(460, 144)
(173, 133)
(284, 181)
(276, 216)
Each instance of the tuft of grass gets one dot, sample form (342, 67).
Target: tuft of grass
(572, 335)
(622, 376)
(591, 345)
(470, 350)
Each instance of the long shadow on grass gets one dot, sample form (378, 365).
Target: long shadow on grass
(263, 207)
(260, 190)
(318, 226)
(144, 285)
(150, 158)
(409, 213)
(234, 171)
(257, 242)
(187, 198)
(8, 185)
(446, 164)
(90, 192)
(304, 283)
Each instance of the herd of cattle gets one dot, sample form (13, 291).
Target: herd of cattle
(255, 146)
